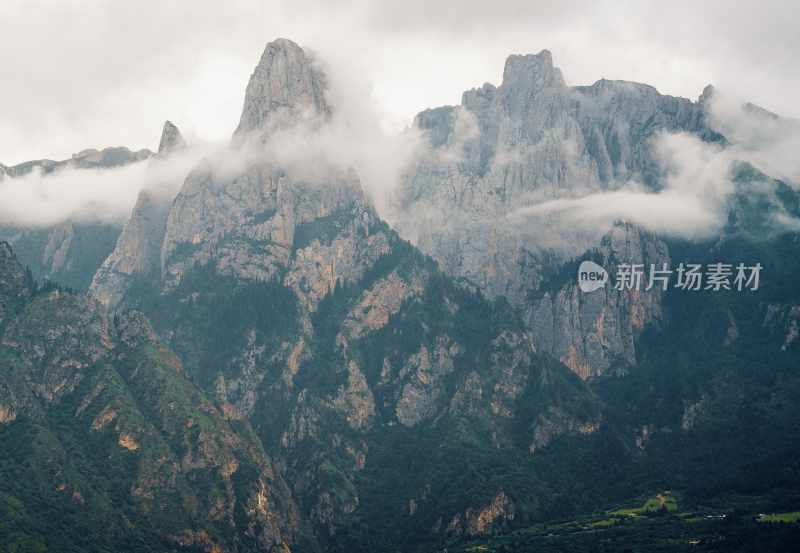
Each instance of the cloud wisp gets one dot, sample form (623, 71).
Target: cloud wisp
(698, 182)
(91, 195)
(114, 68)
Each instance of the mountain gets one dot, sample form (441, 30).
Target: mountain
(69, 252)
(270, 366)
(135, 261)
(597, 332)
(532, 139)
(304, 313)
(399, 398)
(107, 445)
(285, 85)
(85, 159)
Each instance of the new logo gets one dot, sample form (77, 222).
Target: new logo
(591, 276)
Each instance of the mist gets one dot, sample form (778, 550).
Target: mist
(352, 138)
(698, 183)
(91, 195)
(692, 204)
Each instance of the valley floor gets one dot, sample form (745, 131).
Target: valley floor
(657, 526)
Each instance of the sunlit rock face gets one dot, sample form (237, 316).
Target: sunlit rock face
(530, 140)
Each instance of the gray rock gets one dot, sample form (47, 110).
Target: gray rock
(136, 259)
(589, 332)
(529, 140)
(171, 139)
(285, 85)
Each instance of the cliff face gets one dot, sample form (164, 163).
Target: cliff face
(590, 332)
(68, 253)
(533, 137)
(529, 140)
(287, 84)
(135, 262)
(302, 312)
(119, 438)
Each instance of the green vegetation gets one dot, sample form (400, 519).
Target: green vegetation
(791, 517)
(716, 386)
(661, 503)
(640, 535)
(91, 243)
(125, 455)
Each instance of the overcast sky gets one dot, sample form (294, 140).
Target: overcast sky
(93, 73)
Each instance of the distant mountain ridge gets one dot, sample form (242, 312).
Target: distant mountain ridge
(85, 159)
(71, 252)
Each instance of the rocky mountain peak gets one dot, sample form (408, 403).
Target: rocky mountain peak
(533, 72)
(286, 85)
(171, 139)
(708, 93)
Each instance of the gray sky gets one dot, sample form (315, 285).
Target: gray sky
(92, 73)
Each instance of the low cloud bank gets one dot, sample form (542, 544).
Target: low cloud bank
(698, 183)
(91, 195)
(693, 202)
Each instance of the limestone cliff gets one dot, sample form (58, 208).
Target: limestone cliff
(135, 261)
(290, 300)
(531, 139)
(286, 85)
(590, 332)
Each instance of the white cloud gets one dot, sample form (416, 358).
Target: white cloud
(105, 195)
(768, 142)
(692, 203)
(352, 138)
(120, 69)
(93, 73)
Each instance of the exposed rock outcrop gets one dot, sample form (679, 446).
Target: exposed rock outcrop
(590, 332)
(171, 139)
(533, 138)
(136, 259)
(286, 85)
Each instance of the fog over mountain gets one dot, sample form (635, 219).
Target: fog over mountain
(691, 204)
(113, 69)
(417, 278)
